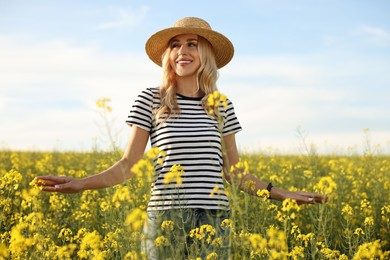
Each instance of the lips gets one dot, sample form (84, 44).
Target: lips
(183, 61)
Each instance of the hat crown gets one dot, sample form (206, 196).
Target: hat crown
(192, 22)
(158, 43)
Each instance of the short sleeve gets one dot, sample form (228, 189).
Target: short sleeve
(231, 125)
(142, 111)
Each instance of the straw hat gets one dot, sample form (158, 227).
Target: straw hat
(158, 42)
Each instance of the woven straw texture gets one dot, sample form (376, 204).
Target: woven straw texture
(158, 42)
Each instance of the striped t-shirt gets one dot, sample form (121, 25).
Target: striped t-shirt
(191, 139)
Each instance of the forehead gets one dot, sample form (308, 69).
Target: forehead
(185, 37)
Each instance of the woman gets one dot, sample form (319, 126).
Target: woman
(177, 119)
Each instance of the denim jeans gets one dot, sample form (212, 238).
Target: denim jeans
(181, 239)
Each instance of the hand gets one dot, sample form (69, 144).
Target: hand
(62, 184)
(302, 197)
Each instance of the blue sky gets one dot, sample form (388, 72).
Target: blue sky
(318, 66)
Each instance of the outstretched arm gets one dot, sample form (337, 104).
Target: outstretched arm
(116, 174)
(231, 158)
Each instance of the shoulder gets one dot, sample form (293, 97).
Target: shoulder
(151, 92)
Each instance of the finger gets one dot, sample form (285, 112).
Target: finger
(317, 198)
(62, 188)
(47, 183)
(52, 180)
(49, 188)
(306, 200)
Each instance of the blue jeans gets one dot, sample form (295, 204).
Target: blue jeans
(180, 238)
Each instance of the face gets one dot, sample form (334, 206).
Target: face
(184, 56)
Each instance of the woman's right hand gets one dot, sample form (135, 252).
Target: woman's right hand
(62, 184)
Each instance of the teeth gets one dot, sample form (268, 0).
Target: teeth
(184, 61)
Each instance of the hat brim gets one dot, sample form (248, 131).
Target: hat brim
(158, 43)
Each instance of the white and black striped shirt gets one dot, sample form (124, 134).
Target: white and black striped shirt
(191, 139)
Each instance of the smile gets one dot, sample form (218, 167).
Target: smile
(183, 61)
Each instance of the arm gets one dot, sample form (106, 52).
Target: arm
(116, 174)
(231, 158)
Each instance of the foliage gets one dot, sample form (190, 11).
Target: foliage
(107, 224)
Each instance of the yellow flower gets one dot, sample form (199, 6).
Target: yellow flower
(135, 219)
(80, 234)
(366, 207)
(102, 103)
(4, 252)
(66, 251)
(249, 185)
(264, 194)
(329, 253)
(275, 179)
(305, 238)
(66, 234)
(240, 167)
(258, 243)
(215, 190)
(359, 232)
(326, 185)
(297, 252)
(105, 206)
(37, 183)
(167, 225)
(290, 205)
(369, 221)
(122, 193)
(214, 101)
(227, 223)
(204, 232)
(143, 169)
(343, 257)
(132, 255)
(212, 256)
(174, 174)
(369, 250)
(11, 180)
(217, 242)
(90, 246)
(347, 210)
(111, 240)
(277, 240)
(161, 241)
(154, 153)
(308, 173)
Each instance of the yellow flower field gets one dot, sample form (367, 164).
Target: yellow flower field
(107, 224)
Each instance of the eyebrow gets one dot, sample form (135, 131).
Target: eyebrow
(188, 40)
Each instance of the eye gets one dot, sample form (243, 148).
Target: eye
(174, 45)
(192, 44)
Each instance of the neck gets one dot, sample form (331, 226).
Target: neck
(187, 86)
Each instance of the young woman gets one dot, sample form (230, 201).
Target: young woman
(177, 120)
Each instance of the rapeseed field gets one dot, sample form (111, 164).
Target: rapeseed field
(107, 224)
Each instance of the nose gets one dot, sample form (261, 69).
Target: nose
(182, 50)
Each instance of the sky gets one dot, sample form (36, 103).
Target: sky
(305, 74)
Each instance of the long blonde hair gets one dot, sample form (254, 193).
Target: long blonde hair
(207, 76)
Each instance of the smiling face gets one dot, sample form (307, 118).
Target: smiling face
(184, 56)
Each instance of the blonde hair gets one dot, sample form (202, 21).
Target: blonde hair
(206, 78)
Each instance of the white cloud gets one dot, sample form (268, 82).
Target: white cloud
(124, 18)
(375, 35)
(280, 67)
(363, 36)
(323, 92)
(48, 91)
(47, 95)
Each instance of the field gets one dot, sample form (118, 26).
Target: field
(107, 224)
